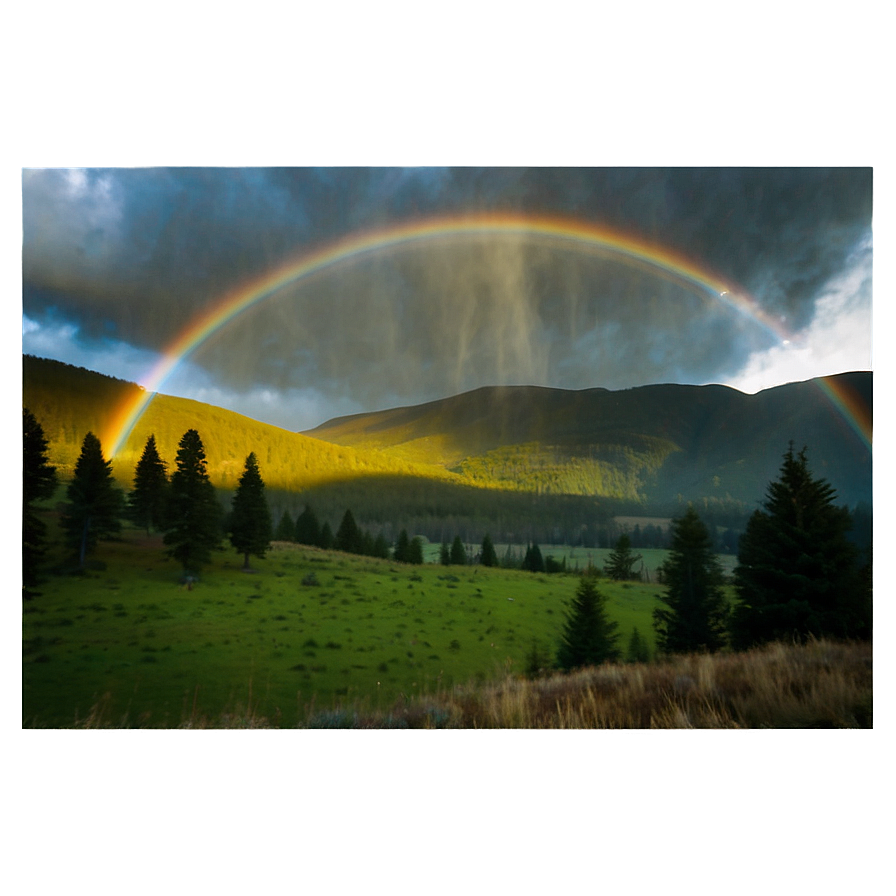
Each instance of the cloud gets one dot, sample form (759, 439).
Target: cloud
(118, 262)
(62, 340)
(837, 339)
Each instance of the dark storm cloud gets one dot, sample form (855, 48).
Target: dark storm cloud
(131, 255)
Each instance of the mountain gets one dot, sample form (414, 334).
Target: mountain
(518, 462)
(70, 401)
(657, 444)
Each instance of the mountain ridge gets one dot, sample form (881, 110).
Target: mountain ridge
(650, 446)
(676, 439)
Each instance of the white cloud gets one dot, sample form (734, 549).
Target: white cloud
(838, 339)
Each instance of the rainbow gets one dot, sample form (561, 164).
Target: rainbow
(852, 407)
(564, 232)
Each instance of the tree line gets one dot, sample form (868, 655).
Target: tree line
(798, 575)
(183, 506)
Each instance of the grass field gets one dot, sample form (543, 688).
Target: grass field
(307, 630)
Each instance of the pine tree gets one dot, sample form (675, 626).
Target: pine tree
(798, 573)
(415, 550)
(194, 519)
(94, 503)
(327, 538)
(380, 547)
(538, 661)
(638, 651)
(620, 565)
(308, 528)
(488, 555)
(458, 554)
(147, 502)
(695, 615)
(286, 528)
(445, 554)
(402, 547)
(250, 520)
(38, 482)
(589, 636)
(533, 561)
(348, 535)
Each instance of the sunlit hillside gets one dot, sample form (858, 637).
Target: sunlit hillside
(655, 444)
(70, 401)
(519, 462)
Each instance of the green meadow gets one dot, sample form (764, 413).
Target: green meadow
(305, 631)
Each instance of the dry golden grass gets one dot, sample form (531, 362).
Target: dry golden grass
(822, 684)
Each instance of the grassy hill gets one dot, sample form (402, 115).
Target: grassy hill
(522, 463)
(386, 493)
(308, 630)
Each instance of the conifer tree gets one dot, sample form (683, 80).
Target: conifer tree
(380, 547)
(402, 547)
(458, 553)
(798, 573)
(148, 500)
(194, 519)
(94, 503)
(445, 554)
(308, 528)
(695, 616)
(286, 529)
(533, 561)
(415, 550)
(250, 519)
(638, 651)
(326, 536)
(589, 636)
(620, 565)
(348, 535)
(38, 482)
(488, 555)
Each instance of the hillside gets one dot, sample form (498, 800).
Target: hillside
(70, 401)
(653, 443)
(385, 493)
(520, 462)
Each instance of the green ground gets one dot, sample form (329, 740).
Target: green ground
(152, 652)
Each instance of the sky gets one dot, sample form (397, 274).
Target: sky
(117, 262)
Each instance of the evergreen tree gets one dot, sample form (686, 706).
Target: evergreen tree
(488, 555)
(415, 550)
(194, 518)
(445, 554)
(148, 500)
(250, 519)
(380, 547)
(402, 547)
(695, 615)
(308, 528)
(533, 561)
(538, 661)
(94, 503)
(327, 538)
(38, 482)
(286, 528)
(620, 565)
(348, 535)
(458, 553)
(589, 636)
(638, 651)
(798, 573)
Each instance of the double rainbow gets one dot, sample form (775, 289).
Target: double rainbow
(564, 232)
